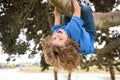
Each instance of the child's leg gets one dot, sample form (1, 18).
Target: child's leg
(88, 19)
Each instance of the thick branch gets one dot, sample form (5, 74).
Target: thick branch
(106, 20)
(64, 6)
(109, 47)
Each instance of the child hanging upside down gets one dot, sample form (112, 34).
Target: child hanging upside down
(74, 38)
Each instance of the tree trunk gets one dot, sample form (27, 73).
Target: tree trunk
(69, 76)
(112, 74)
(55, 75)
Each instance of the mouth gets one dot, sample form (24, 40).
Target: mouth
(59, 32)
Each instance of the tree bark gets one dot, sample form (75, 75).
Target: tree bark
(109, 47)
(106, 20)
(64, 6)
(69, 76)
(55, 75)
(112, 74)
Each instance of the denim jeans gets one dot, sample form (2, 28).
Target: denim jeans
(87, 17)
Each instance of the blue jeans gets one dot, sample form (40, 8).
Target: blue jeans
(86, 15)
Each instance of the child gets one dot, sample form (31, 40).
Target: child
(76, 36)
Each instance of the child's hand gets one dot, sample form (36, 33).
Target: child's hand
(77, 9)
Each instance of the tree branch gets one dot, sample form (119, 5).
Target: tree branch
(106, 20)
(109, 47)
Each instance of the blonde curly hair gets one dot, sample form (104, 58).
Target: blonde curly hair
(66, 57)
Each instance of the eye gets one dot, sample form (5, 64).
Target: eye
(61, 39)
(54, 38)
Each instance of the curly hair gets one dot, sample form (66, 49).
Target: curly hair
(66, 57)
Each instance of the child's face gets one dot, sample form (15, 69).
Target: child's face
(59, 38)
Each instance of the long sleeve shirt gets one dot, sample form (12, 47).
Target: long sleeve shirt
(77, 32)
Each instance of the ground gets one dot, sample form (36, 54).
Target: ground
(17, 74)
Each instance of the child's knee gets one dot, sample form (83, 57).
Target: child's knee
(86, 9)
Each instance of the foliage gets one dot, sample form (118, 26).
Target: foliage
(104, 5)
(22, 14)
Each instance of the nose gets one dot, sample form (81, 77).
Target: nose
(56, 42)
(58, 35)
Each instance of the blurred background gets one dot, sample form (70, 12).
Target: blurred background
(25, 23)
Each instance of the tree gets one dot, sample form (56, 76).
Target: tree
(37, 18)
(21, 15)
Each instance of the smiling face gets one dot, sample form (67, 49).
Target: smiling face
(59, 38)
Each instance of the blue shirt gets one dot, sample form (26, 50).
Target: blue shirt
(77, 32)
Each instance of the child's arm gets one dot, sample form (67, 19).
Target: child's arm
(77, 9)
(57, 15)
